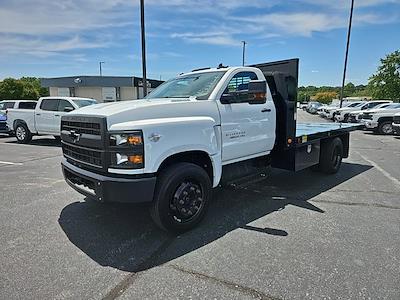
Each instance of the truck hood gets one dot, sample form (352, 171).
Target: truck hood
(151, 109)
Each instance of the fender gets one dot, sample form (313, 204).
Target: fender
(174, 136)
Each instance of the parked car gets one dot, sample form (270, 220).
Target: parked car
(320, 110)
(3, 123)
(45, 119)
(342, 114)
(355, 116)
(12, 104)
(330, 112)
(396, 124)
(303, 105)
(312, 107)
(381, 120)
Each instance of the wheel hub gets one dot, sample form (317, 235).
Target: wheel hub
(187, 201)
(20, 132)
(387, 128)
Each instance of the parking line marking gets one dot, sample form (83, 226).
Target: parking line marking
(384, 172)
(10, 163)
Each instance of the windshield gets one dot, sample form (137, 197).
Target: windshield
(84, 102)
(196, 85)
(355, 104)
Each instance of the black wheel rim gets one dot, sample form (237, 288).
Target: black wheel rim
(187, 202)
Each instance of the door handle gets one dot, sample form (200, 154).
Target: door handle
(56, 115)
(266, 110)
(38, 114)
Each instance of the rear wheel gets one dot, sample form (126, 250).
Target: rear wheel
(181, 199)
(385, 127)
(23, 134)
(331, 156)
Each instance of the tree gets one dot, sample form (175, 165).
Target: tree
(349, 89)
(24, 88)
(385, 83)
(325, 97)
(11, 88)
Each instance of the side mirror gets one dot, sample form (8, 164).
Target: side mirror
(254, 94)
(68, 108)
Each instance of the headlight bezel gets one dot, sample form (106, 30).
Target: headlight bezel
(123, 154)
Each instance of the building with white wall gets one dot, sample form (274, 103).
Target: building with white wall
(101, 88)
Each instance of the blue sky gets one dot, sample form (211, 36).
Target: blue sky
(66, 38)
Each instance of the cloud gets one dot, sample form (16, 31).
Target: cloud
(45, 28)
(44, 48)
(220, 38)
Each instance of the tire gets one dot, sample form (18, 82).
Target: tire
(331, 156)
(181, 199)
(23, 134)
(385, 127)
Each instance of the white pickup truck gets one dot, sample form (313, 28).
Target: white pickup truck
(45, 119)
(381, 120)
(193, 133)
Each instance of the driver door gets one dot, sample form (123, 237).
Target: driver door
(247, 129)
(64, 107)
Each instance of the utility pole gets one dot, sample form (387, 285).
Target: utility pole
(244, 52)
(347, 53)
(100, 63)
(143, 48)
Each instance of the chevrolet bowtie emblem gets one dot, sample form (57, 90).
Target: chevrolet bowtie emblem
(75, 137)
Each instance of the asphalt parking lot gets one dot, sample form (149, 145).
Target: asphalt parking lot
(283, 236)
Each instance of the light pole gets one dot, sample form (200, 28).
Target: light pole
(100, 63)
(244, 52)
(347, 53)
(143, 48)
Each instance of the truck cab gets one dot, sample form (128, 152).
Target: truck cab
(191, 134)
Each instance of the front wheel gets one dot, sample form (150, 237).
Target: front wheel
(385, 127)
(23, 134)
(181, 199)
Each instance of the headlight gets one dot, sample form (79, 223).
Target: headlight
(126, 139)
(127, 150)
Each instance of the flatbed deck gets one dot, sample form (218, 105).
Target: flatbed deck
(320, 130)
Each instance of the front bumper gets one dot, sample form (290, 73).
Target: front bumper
(4, 128)
(339, 118)
(109, 189)
(369, 124)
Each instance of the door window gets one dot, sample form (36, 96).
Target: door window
(7, 105)
(27, 105)
(49, 104)
(240, 82)
(63, 104)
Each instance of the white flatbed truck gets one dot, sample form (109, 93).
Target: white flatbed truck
(194, 133)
